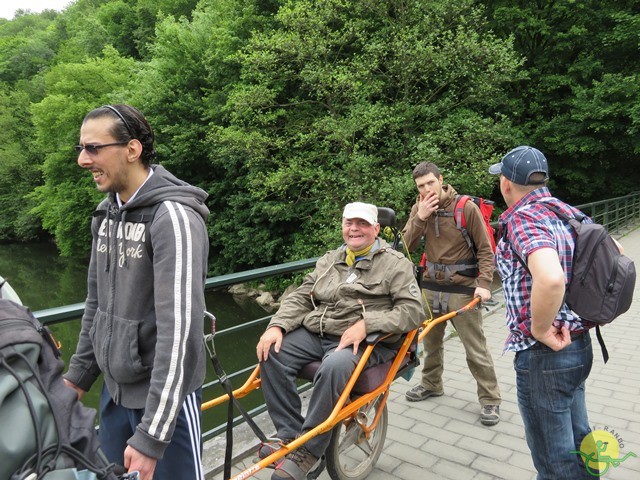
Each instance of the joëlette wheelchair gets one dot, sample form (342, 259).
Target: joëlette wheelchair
(359, 419)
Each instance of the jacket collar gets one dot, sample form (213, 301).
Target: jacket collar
(531, 197)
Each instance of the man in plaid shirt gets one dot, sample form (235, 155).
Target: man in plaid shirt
(552, 346)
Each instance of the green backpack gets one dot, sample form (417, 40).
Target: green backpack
(46, 432)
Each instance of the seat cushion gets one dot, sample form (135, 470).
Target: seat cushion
(370, 379)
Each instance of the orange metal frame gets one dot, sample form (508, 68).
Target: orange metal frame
(342, 409)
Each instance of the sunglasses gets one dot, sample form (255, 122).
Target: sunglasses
(93, 149)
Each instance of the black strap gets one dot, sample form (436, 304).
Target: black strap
(233, 401)
(505, 239)
(605, 352)
(228, 451)
(522, 262)
(228, 388)
(579, 216)
(438, 287)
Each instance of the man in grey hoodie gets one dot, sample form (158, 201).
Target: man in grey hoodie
(143, 322)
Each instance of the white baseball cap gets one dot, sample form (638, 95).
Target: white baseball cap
(365, 211)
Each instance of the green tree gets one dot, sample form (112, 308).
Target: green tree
(579, 101)
(339, 101)
(19, 172)
(183, 91)
(127, 25)
(150, 13)
(27, 45)
(67, 197)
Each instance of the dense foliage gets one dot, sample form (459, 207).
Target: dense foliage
(285, 110)
(580, 100)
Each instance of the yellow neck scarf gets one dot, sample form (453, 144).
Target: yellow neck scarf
(351, 255)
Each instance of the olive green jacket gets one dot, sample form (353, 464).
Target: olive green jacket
(381, 288)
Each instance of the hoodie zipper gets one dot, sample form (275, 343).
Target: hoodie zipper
(112, 257)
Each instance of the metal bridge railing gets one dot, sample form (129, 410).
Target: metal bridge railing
(620, 215)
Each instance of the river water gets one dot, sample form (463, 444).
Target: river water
(44, 280)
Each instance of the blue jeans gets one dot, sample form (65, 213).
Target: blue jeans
(551, 397)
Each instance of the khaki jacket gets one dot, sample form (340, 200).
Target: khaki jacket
(446, 245)
(381, 287)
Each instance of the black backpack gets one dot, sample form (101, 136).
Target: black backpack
(46, 432)
(603, 279)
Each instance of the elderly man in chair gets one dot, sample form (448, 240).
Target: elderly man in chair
(362, 287)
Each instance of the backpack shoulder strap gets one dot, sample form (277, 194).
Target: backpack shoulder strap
(579, 216)
(458, 211)
(505, 239)
(506, 228)
(460, 219)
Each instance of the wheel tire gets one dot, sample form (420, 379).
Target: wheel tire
(350, 455)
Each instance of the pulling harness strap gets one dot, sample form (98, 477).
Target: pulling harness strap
(233, 401)
(438, 287)
(441, 302)
(468, 267)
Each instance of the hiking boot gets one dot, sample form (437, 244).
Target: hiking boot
(490, 414)
(267, 448)
(295, 466)
(418, 393)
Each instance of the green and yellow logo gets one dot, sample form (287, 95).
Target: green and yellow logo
(600, 450)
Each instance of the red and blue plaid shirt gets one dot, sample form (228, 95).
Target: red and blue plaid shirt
(526, 227)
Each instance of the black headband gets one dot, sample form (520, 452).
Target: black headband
(126, 124)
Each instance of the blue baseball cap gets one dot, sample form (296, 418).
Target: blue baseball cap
(520, 163)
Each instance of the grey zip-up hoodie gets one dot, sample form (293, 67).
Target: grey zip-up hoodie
(143, 321)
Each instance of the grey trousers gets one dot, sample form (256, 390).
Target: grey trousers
(479, 359)
(279, 374)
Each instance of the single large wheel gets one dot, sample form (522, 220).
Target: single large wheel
(351, 455)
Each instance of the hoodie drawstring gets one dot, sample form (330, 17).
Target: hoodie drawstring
(123, 225)
(110, 211)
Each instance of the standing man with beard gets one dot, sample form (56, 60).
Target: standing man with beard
(455, 274)
(143, 321)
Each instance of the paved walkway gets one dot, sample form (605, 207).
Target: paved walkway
(442, 438)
